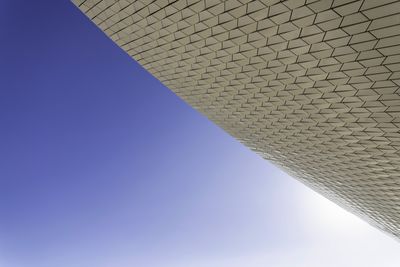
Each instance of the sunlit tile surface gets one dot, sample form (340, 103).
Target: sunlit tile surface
(311, 85)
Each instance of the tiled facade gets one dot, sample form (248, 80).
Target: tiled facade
(312, 86)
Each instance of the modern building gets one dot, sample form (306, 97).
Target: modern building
(312, 86)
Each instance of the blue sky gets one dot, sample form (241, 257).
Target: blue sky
(101, 165)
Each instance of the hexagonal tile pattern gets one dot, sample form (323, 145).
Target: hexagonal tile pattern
(312, 86)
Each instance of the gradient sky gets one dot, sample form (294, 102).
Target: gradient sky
(102, 166)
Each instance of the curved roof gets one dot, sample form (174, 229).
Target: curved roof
(312, 86)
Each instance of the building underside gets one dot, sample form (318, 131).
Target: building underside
(312, 86)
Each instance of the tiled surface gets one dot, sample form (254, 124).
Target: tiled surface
(311, 85)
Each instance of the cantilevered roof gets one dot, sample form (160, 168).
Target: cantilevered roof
(312, 86)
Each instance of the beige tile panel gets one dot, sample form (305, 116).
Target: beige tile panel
(312, 86)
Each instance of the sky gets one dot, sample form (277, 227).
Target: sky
(103, 166)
